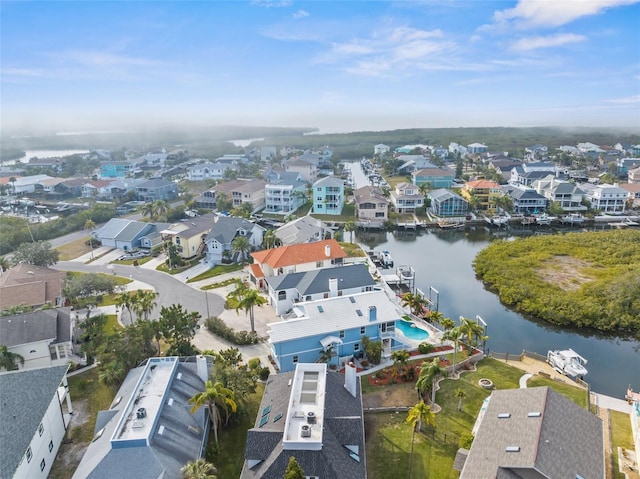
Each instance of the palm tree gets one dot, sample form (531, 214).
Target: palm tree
(215, 398)
(453, 334)
(447, 324)
(161, 209)
(199, 469)
(144, 302)
(148, 209)
(127, 301)
(417, 414)
(400, 359)
(415, 302)
(4, 263)
(270, 240)
(90, 225)
(8, 360)
(470, 329)
(242, 246)
(247, 298)
(350, 227)
(430, 371)
(327, 354)
(460, 394)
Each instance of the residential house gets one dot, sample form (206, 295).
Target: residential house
(130, 234)
(372, 206)
(284, 192)
(328, 196)
(189, 235)
(268, 154)
(606, 198)
(243, 192)
(406, 197)
(149, 431)
(209, 171)
(339, 322)
(43, 338)
(633, 175)
(305, 229)
(224, 231)
(306, 169)
(503, 166)
(412, 163)
(381, 149)
(447, 204)
(24, 185)
(566, 195)
(157, 189)
(535, 433)
(433, 177)
(96, 188)
(411, 149)
(30, 285)
(121, 187)
(624, 165)
(587, 147)
(285, 290)
(47, 187)
(527, 173)
(120, 169)
(633, 193)
(484, 192)
(69, 188)
(477, 148)
(456, 149)
(536, 151)
(297, 257)
(36, 411)
(313, 415)
(54, 164)
(526, 200)
(633, 399)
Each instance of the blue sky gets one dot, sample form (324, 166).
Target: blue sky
(338, 66)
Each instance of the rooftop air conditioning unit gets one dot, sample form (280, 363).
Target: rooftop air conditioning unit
(311, 417)
(305, 430)
(141, 412)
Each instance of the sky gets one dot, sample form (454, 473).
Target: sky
(338, 66)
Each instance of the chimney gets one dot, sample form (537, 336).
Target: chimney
(201, 368)
(373, 313)
(350, 378)
(327, 251)
(333, 287)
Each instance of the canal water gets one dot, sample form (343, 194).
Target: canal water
(443, 260)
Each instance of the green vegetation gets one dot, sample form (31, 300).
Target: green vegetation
(621, 436)
(218, 327)
(216, 271)
(352, 250)
(220, 284)
(580, 279)
(138, 261)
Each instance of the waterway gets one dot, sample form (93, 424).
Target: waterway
(444, 260)
(44, 154)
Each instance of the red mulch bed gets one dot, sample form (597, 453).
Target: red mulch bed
(390, 375)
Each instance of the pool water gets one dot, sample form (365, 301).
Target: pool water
(410, 332)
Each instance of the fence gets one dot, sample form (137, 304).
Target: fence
(517, 357)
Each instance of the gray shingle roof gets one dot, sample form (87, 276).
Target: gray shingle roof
(36, 326)
(225, 229)
(317, 281)
(25, 396)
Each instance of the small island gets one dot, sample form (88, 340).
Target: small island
(587, 279)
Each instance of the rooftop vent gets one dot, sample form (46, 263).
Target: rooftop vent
(534, 414)
(305, 430)
(504, 415)
(311, 417)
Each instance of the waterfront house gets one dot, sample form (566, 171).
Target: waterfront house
(189, 235)
(285, 290)
(526, 200)
(526, 173)
(567, 195)
(298, 257)
(633, 175)
(305, 229)
(606, 198)
(406, 197)
(209, 171)
(412, 163)
(43, 338)
(305, 168)
(96, 188)
(149, 431)
(242, 192)
(36, 411)
(157, 189)
(633, 192)
(284, 192)
(477, 148)
(30, 285)
(224, 231)
(433, 177)
(120, 169)
(536, 432)
(485, 192)
(381, 149)
(328, 196)
(446, 204)
(27, 184)
(337, 322)
(372, 207)
(313, 415)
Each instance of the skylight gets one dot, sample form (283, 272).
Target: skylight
(358, 312)
(512, 449)
(352, 299)
(504, 415)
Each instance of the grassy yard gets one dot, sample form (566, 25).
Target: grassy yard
(72, 250)
(165, 269)
(129, 262)
(348, 214)
(621, 436)
(217, 271)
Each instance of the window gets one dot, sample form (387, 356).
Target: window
(29, 454)
(178, 240)
(40, 429)
(319, 188)
(363, 330)
(319, 264)
(342, 334)
(50, 446)
(42, 465)
(282, 295)
(295, 359)
(356, 347)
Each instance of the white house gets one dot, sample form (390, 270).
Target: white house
(35, 413)
(209, 171)
(406, 197)
(606, 198)
(381, 149)
(224, 231)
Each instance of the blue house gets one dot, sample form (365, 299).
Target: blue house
(328, 196)
(340, 323)
(434, 177)
(445, 203)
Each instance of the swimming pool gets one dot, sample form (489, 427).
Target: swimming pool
(411, 331)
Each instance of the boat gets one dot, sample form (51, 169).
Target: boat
(444, 224)
(497, 220)
(567, 362)
(573, 219)
(544, 219)
(387, 261)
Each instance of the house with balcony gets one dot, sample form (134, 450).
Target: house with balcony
(433, 177)
(30, 285)
(381, 149)
(224, 231)
(43, 338)
(36, 412)
(484, 192)
(328, 196)
(121, 169)
(149, 431)
(209, 171)
(24, 185)
(314, 415)
(96, 188)
(339, 322)
(296, 258)
(406, 197)
(286, 290)
(566, 195)
(477, 148)
(69, 188)
(526, 200)
(372, 207)
(503, 166)
(536, 432)
(447, 204)
(633, 193)
(412, 163)
(305, 229)
(243, 192)
(284, 192)
(633, 175)
(606, 198)
(189, 235)
(156, 189)
(308, 170)
(526, 173)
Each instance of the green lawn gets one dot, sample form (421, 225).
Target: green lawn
(140, 261)
(217, 271)
(621, 436)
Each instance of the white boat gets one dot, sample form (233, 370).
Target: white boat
(544, 219)
(444, 224)
(497, 220)
(573, 219)
(386, 259)
(567, 362)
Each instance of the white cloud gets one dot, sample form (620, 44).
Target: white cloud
(271, 3)
(532, 43)
(300, 14)
(102, 59)
(629, 100)
(537, 13)
(23, 72)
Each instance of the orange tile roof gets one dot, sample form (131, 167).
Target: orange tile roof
(256, 270)
(482, 184)
(299, 253)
